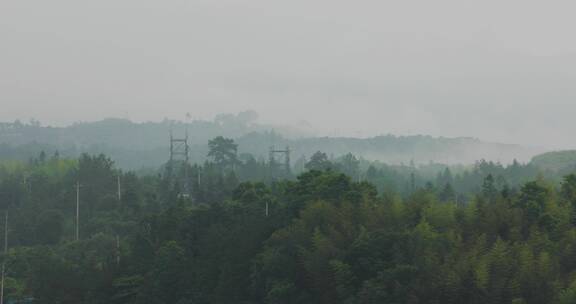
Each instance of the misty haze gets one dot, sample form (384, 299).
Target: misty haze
(255, 151)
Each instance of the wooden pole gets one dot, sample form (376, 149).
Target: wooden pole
(77, 212)
(5, 255)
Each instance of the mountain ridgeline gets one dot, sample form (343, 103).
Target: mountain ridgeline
(137, 145)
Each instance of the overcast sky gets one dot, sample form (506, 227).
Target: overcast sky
(499, 70)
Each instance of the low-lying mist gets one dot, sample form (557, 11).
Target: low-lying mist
(136, 145)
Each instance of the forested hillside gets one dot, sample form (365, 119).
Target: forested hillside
(145, 145)
(556, 161)
(344, 231)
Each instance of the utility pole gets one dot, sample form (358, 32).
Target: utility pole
(186, 167)
(5, 255)
(27, 183)
(118, 236)
(412, 182)
(77, 211)
(267, 213)
(119, 190)
(199, 177)
(117, 250)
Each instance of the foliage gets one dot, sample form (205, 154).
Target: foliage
(398, 234)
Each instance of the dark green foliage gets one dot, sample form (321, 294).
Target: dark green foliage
(223, 152)
(325, 237)
(319, 162)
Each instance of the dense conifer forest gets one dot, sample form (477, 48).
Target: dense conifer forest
(340, 230)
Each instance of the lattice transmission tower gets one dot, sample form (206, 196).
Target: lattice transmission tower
(279, 169)
(179, 164)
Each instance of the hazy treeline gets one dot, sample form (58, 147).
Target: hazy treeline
(137, 145)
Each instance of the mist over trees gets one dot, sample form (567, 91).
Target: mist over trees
(144, 145)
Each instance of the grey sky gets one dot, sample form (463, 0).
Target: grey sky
(499, 70)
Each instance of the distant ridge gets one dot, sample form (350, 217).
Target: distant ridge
(136, 145)
(556, 160)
